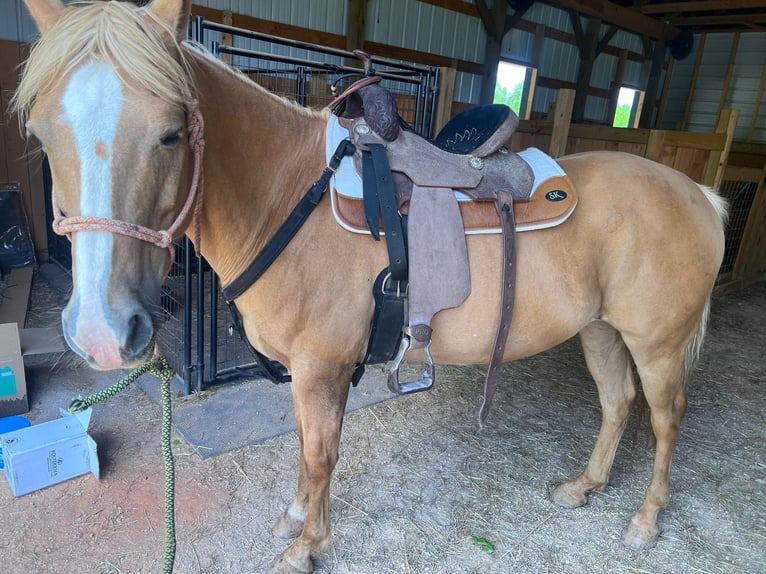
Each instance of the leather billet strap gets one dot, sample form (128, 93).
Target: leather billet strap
(504, 206)
(378, 182)
(289, 228)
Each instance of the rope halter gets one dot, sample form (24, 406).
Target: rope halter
(163, 238)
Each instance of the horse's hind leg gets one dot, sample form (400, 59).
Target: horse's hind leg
(609, 362)
(663, 375)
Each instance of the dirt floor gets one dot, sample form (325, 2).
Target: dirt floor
(418, 481)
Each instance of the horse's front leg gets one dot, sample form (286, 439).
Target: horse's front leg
(320, 401)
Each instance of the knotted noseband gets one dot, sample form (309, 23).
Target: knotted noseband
(163, 238)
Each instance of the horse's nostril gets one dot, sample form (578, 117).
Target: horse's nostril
(140, 334)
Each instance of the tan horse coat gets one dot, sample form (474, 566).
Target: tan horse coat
(631, 271)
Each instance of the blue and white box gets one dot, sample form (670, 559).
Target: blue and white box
(49, 453)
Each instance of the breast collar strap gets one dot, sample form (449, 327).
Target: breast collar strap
(289, 228)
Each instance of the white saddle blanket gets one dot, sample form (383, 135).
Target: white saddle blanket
(348, 183)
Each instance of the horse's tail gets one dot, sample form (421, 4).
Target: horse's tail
(691, 356)
(719, 203)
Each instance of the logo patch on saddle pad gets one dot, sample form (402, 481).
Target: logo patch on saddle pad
(556, 195)
(552, 201)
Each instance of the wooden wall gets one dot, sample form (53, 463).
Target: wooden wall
(700, 156)
(19, 163)
(736, 170)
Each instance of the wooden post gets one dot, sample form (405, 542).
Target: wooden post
(664, 96)
(655, 145)
(729, 73)
(619, 75)
(692, 87)
(757, 108)
(355, 29)
(727, 123)
(446, 95)
(494, 24)
(562, 118)
(588, 44)
(650, 94)
(226, 39)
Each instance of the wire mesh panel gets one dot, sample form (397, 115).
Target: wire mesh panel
(739, 187)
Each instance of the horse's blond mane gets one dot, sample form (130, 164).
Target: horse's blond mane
(239, 76)
(116, 33)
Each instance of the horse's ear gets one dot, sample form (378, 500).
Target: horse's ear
(45, 13)
(174, 14)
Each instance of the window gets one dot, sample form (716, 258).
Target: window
(628, 110)
(515, 84)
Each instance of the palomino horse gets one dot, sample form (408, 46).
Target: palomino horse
(107, 90)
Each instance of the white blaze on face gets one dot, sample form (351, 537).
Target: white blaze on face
(92, 105)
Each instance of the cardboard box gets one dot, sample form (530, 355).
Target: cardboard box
(15, 344)
(13, 384)
(49, 453)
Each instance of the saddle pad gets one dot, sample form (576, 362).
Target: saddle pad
(553, 197)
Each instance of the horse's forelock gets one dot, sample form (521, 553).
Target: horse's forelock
(143, 52)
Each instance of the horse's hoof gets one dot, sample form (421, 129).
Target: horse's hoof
(568, 496)
(640, 538)
(286, 527)
(280, 565)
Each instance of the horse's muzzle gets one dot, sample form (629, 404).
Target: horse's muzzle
(118, 340)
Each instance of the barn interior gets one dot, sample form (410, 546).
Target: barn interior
(686, 84)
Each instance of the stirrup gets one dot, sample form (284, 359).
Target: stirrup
(422, 384)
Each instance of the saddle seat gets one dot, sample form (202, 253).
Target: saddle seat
(478, 131)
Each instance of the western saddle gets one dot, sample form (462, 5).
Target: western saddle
(408, 186)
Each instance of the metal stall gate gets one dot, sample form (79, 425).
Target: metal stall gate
(197, 332)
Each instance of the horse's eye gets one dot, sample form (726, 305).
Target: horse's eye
(171, 139)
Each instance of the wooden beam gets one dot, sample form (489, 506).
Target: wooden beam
(701, 6)
(426, 58)
(729, 73)
(556, 84)
(494, 24)
(664, 96)
(537, 47)
(273, 28)
(757, 109)
(619, 75)
(588, 57)
(355, 27)
(447, 77)
(721, 20)
(355, 30)
(625, 18)
(604, 41)
(652, 85)
(562, 119)
(226, 39)
(693, 85)
(455, 6)
(727, 123)
(655, 145)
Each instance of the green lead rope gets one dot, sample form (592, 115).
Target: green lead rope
(160, 368)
